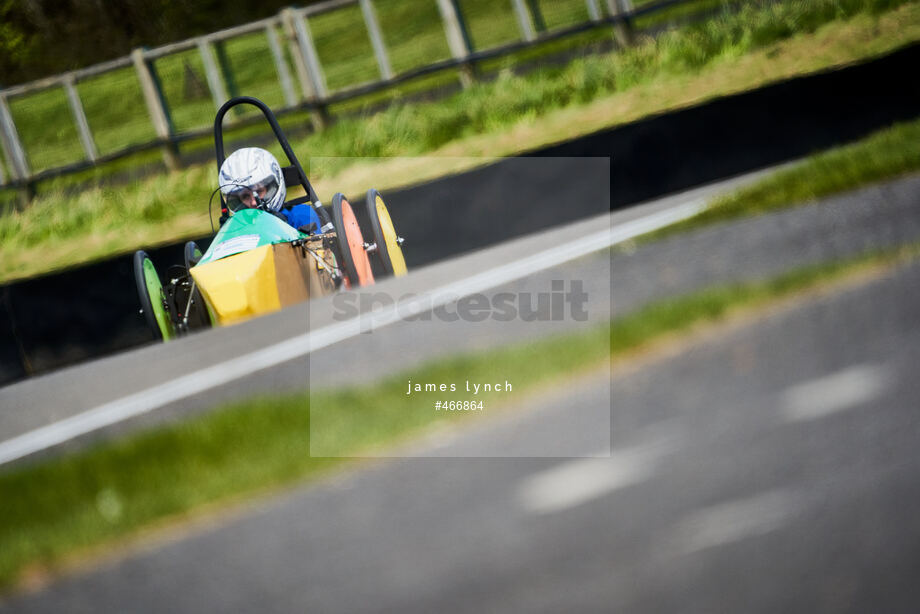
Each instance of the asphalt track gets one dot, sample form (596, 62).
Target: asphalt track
(874, 218)
(768, 467)
(194, 373)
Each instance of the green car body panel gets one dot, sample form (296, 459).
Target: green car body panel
(248, 229)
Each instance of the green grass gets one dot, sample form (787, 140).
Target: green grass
(677, 13)
(885, 154)
(86, 499)
(62, 228)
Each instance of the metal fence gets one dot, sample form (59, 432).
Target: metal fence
(300, 59)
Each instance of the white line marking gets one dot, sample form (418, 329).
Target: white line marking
(733, 521)
(826, 395)
(301, 345)
(580, 481)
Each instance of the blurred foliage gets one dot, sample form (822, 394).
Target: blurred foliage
(43, 37)
(14, 44)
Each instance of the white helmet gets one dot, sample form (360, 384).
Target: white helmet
(251, 177)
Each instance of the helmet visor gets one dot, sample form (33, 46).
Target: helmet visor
(250, 197)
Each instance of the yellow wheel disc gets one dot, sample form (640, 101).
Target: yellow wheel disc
(393, 248)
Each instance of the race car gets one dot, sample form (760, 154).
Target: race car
(257, 263)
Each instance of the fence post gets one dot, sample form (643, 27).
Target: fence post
(594, 11)
(458, 38)
(156, 106)
(520, 11)
(15, 155)
(300, 65)
(307, 64)
(12, 146)
(284, 75)
(622, 27)
(79, 116)
(215, 82)
(6, 155)
(226, 70)
(537, 13)
(305, 42)
(373, 30)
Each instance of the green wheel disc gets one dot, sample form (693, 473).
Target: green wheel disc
(150, 292)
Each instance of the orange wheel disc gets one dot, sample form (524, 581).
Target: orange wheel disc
(351, 243)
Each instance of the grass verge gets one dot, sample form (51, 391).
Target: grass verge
(726, 54)
(65, 509)
(885, 154)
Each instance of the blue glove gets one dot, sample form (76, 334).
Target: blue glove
(302, 215)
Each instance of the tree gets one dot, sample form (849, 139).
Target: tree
(44, 37)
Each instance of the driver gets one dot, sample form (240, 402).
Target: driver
(251, 178)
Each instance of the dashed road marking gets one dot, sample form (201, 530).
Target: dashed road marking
(580, 481)
(733, 521)
(833, 393)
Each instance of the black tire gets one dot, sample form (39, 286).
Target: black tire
(150, 293)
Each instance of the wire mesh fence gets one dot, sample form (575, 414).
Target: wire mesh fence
(413, 33)
(301, 59)
(344, 47)
(180, 76)
(556, 14)
(247, 65)
(57, 142)
(114, 107)
(490, 24)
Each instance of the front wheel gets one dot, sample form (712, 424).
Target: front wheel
(153, 301)
(351, 243)
(389, 244)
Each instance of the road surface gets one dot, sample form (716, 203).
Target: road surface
(877, 217)
(771, 467)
